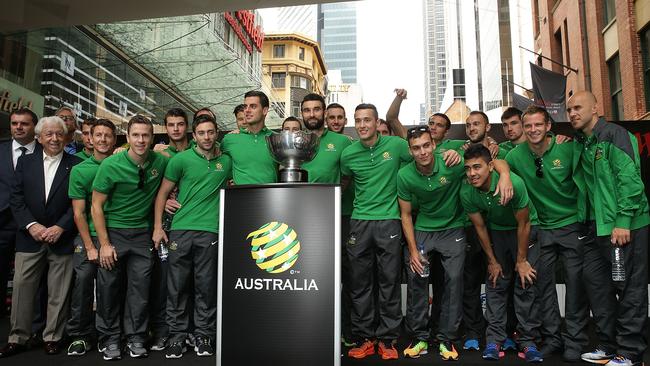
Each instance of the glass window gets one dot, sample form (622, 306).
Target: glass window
(614, 70)
(278, 51)
(301, 53)
(295, 109)
(278, 79)
(609, 10)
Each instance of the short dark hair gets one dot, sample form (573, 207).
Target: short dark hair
(416, 132)
(443, 116)
(203, 119)
(264, 100)
(204, 109)
(533, 109)
(511, 112)
(477, 151)
(103, 122)
(313, 97)
(383, 122)
(335, 105)
(24, 110)
(175, 112)
(139, 119)
(289, 119)
(368, 106)
(239, 108)
(480, 113)
(90, 121)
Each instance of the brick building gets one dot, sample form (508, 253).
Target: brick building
(607, 42)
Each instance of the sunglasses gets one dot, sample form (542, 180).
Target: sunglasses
(539, 164)
(141, 176)
(67, 118)
(417, 129)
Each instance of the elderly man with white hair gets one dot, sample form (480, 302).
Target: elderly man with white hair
(44, 217)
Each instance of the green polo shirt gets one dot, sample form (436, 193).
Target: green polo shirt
(172, 151)
(498, 217)
(325, 167)
(199, 181)
(80, 186)
(374, 170)
(450, 145)
(83, 155)
(555, 194)
(437, 194)
(251, 160)
(128, 206)
(507, 146)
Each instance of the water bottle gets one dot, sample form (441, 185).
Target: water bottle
(618, 266)
(163, 252)
(423, 261)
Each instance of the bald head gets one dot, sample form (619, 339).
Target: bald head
(582, 109)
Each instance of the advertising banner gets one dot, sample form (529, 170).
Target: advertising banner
(550, 92)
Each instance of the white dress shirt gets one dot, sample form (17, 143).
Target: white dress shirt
(50, 165)
(16, 152)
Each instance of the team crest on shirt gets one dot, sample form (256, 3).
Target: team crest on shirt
(219, 167)
(154, 172)
(386, 156)
(173, 246)
(78, 249)
(331, 147)
(443, 181)
(557, 164)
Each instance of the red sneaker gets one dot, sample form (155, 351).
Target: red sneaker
(387, 352)
(366, 348)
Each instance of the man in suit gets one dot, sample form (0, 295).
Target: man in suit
(44, 217)
(22, 122)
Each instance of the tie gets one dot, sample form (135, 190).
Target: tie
(23, 150)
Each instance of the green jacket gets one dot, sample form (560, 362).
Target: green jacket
(619, 197)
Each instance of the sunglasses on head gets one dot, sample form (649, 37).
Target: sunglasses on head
(413, 130)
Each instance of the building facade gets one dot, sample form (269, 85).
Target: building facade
(292, 67)
(607, 43)
(435, 63)
(337, 36)
(298, 19)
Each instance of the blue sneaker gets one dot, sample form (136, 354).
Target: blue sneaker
(471, 343)
(492, 352)
(509, 345)
(621, 361)
(531, 354)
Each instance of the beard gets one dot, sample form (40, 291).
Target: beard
(314, 124)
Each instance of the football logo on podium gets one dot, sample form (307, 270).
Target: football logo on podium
(274, 247)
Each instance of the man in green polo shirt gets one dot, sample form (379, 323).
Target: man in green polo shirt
(439, 125)
(176, 127)
(87, 151)
(546, 168)
(123, 195)
(510, 246)
(612, 200)
(375, 234)
(193, 235)
(80, 326)
(512, 129)
(251, 159)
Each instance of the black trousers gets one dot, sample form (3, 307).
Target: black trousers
(82, 316)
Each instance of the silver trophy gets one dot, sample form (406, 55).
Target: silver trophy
(290, 150)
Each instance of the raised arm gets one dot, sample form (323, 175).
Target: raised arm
(392, 116)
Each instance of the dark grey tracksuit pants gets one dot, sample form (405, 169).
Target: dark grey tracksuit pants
(346, 301)
(473, 277)
(504, 245)
(81, 323)
(620, 324)
(380, 242)
(451, 246)
(133, 269)
(158, 298)
(192, 252)
(566, 242)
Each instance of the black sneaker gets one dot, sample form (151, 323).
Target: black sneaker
(159, 344)
(136, 349)
(202, 346)
(112, 352)
(78, 348)
(175, 350)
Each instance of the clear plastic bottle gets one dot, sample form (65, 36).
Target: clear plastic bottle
(163, 252)
(618, 266)
(423, 261)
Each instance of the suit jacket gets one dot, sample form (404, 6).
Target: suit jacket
(7, 182)
(28, 202)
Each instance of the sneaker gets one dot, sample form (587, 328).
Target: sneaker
(202, 346)
(347, 343)
(599, 355)
(366, 348)
(112, 352)
(77, 348)
(509, 345)
(175, 350)
(416, 349)
(493, 352)
(190, 340)
(471, 343)
(448, 351)
(387, 351)
(620, 361)
(137, 350)
(159, 344)
(531, 354)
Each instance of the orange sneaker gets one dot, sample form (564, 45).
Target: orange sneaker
(366, 348)
(387, 352)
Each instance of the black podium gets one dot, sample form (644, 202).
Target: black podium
(279, 275)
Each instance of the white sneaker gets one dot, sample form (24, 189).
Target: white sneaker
(597, 356)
